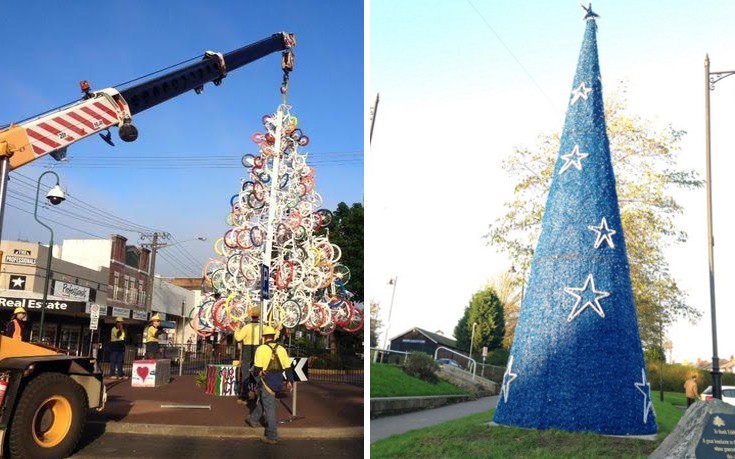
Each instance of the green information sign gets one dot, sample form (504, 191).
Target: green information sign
(718, 438)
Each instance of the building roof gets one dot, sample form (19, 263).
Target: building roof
(435, 337)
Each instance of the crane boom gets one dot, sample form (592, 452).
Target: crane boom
(99, 110)
(52, 132)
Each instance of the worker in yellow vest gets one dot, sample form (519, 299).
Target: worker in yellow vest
(273, 368)
(249, 336)
(117, 349)
(16, 327)
(152, 333)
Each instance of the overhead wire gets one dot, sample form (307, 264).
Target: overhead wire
(507, 48)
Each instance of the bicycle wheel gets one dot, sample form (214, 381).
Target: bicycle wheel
(291, 314)
(356, 320)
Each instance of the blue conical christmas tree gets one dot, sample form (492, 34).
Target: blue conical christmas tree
(576, 362)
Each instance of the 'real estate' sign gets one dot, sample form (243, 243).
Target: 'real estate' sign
(32, 304)
(72, 291)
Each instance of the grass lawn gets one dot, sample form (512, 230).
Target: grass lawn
(472, 437)
(391, 381)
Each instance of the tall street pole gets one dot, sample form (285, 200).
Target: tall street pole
(710, 78)
(151, 273)
(49, 254)
(392, 282)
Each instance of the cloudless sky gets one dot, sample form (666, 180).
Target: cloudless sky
(51, 46)
(462, 83)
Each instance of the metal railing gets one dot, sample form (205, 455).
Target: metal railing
(186, 359)
(378, 355)
(466, 362)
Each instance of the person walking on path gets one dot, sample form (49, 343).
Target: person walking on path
(117, 349)
(271, 360)
(690, 387)
(152, 332)
(16, 327)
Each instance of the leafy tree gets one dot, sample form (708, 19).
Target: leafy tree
(346, 230)
(461, 334)
(645, 170)
(487, 311)
(375, 323)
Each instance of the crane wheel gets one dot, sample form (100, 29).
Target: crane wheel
(49, 418)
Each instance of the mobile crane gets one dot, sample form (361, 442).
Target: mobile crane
(45, 394)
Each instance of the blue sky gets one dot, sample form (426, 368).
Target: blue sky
(463, 83)
(51, 46)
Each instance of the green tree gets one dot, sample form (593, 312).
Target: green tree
(461, 334)
(375, 323)
(645, 170)
(486, 311)
(346, 230)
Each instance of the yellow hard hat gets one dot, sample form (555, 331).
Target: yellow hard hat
(119, 319)
(268, 330)
(19, 311)
(156, 317)
(254, 311)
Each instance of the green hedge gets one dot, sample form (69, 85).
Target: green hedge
(675, 375)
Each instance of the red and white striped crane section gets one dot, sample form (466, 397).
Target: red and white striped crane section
(59, 129)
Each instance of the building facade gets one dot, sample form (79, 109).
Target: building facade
(73, 289)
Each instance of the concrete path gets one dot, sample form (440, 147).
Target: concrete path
(385, 427)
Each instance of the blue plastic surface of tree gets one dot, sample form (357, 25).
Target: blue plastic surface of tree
(576, 363)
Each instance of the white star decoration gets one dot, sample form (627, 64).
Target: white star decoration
(607, 237)
(508, 378)
(647, 403)
(573, 158)
(576, 310)
(18, 282)
(581, 92)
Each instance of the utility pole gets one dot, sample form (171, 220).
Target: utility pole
(373, 114)
(154, 245)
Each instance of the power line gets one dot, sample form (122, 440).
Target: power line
(507, 48)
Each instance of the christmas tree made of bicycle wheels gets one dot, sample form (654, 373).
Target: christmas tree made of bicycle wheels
(576, 362)
(307, 284)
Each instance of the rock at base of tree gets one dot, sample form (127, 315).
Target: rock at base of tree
(707, 429)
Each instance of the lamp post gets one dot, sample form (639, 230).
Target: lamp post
(55, 196)
(472, 337)
(710, 78)
(392, 282)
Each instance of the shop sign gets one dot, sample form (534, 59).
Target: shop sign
(88, 309)
(36, 303)
(121, 312)
(68, 290)
(140, 315)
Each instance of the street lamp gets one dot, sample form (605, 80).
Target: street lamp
(392, 282)
(710, 78)
(55, 196)
(472, 338)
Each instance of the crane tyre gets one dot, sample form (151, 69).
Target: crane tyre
(49, 418)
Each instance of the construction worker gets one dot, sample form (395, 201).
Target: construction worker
(16, 327)
(271, 364)
(249, 336)
(117, 349)
(152, 333)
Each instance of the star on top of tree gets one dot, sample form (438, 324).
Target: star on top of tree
(589, 14)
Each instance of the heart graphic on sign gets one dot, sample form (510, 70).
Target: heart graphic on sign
(142, 372)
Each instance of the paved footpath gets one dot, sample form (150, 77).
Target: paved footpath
(387, 426)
